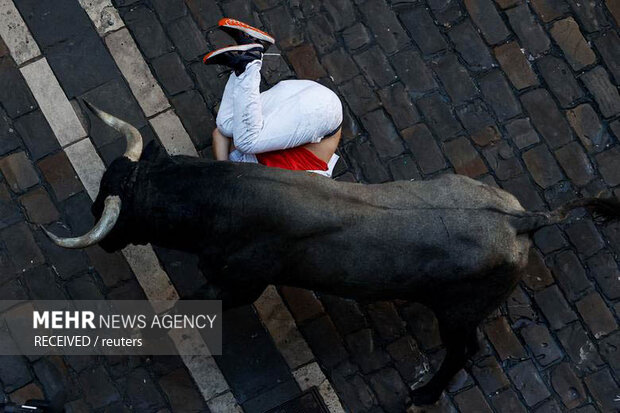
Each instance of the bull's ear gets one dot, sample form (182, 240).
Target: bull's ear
(153, 152)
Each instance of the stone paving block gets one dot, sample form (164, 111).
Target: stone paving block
(15, 95)
(51, 99)
(422, 29)
(375, 66)
(472, 400)
(171, 73)
(356, 36)
(148, 32)
(424, 148)
(604, 389)
(354, 392)
(439, 117)
(560, 80)
(283, 27)
(323, 38)
(470, 46)
(541, 344)
(454, 78)
(345, 313)
(519, 308)
(446, 12)
(507, 402)
(112, 268)
(608, 166)
(570, 274)
(525, 191)
(172, 134)
(169, 10)
(36, 134)
(195, 116)
(503, 339)
(281, 325)
(383, 134)
(531, 35)
(39, 208)
(81, 63)
(610, 350)
(53, 375)
(31, 391)
(608, 45)
(398, 104)
(365, 158)
(103, 14)
(138, 75)
(580, 348)
(605, 270)
(14, 372)
(9, 138)
(549, 10)
(359, 95)
(303, 304)
(55, 23)
(515, 65)
(538, 275)
(568, 386)
(522, 133)
(391, 392)
(403, 168)
(502, 160)
(9, 212)
(16, 36)
(584, 235)
(528, 383)
(97, 387)
(498, 95)
(489, 375)
(305, 63)
(546, 117)
(567, 35)
(142, 392)
(542, 166)
(42, 284)
(588, 127)
(324, 340)
(554, 307)
(596, 315)
(59, 173)
(385, 26)
(206, 13)
(590, 14)
(604, 92)
(413, 72)
(187, 38)
(341, 13)
(464, 158)
(87, 165)
(209, 83)
(488, 20)
(18, 171)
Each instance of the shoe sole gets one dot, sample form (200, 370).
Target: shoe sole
(247, 29)
(235, 48)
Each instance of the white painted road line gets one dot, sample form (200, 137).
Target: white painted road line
(15, 34)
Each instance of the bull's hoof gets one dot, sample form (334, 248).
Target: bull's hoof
(424, 396)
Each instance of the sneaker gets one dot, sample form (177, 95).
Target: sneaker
(235, 57)
(244, 33)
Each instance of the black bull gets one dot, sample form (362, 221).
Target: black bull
(452, 243)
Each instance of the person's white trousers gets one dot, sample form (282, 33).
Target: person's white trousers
(290, 114)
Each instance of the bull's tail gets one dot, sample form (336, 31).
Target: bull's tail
(601, 208)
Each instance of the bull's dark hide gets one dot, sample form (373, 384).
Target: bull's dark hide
(451, 243)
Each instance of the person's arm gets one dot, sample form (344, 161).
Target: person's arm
(221, 145)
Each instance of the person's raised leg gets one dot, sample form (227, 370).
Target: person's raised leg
(224, 119)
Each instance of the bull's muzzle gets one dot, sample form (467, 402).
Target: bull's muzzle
(112, 203)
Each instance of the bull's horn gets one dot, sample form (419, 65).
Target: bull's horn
(134, 139)
(111, 212)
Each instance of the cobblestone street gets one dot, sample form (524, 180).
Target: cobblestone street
(521, 95)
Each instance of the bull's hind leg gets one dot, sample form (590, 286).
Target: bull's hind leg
(458, 336)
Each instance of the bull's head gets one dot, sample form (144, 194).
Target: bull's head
(108, 204)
